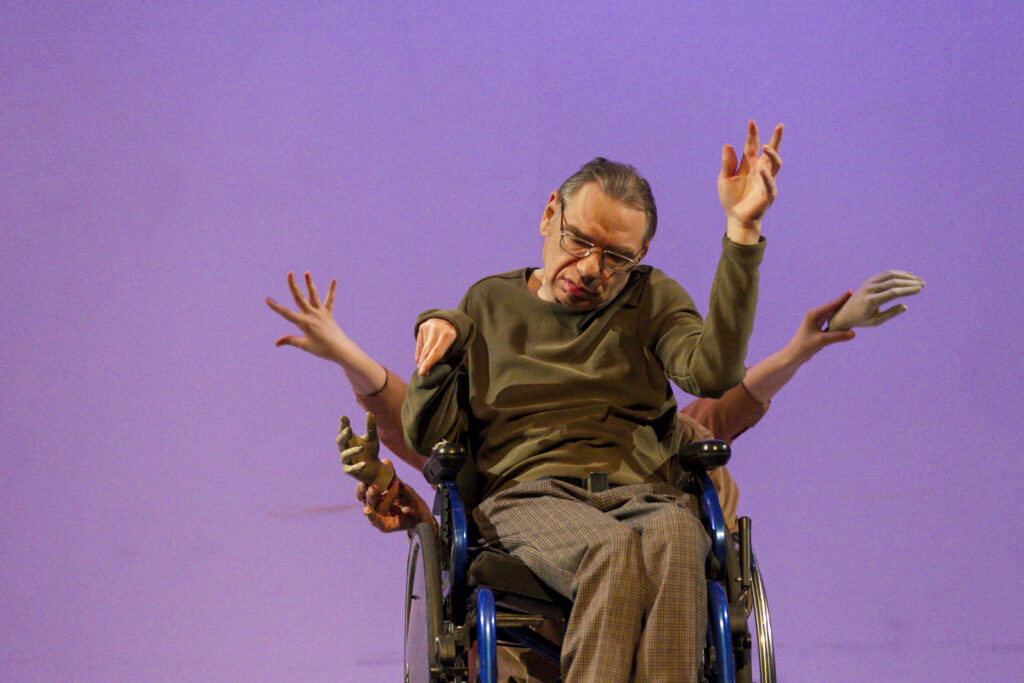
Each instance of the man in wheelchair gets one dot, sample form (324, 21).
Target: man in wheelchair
(557, 380)
(553, 375)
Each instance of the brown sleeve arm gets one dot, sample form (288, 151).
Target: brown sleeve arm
(386, 406)
(729, 416)
(705, 358)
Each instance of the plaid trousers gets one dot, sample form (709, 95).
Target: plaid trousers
(632, 561)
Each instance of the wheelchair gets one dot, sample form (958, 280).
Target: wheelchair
(463, 602)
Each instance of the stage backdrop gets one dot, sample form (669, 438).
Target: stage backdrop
(171, 503)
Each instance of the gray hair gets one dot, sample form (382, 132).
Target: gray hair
(621, 182)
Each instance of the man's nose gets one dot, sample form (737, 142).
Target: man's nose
(589, 267)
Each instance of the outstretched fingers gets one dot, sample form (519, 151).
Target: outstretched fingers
(890, 293)
(300, 300)
(897, 282)
(371, 427)
(774, 160)
(905, 287)
(728, 162)
(344, 432)
(314, 298)
(888, 314)
(285, 313)
(776, 138)
(350, 453)
(891, 275)
(290, 340)
(329, 302)
(753, 142)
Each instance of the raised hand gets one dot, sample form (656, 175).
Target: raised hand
(810, 338)
(394, 508)
(433, 339)
(321, 335)
(864, 307)
(747, 190)
(359, 454)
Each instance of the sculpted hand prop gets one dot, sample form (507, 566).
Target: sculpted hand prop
(864, 307)
(359, 455)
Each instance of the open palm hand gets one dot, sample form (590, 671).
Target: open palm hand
(747, 189)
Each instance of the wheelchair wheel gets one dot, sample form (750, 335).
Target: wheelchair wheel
(763, 623)
(422, 607)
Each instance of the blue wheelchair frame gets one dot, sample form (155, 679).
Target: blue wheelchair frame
(474, 618)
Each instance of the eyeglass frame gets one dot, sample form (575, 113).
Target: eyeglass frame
(633, 262)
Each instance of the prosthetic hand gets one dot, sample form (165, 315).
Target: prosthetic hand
(864, 307)
(396, 508)
(359, 455)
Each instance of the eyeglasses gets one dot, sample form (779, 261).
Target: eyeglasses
(578, 247)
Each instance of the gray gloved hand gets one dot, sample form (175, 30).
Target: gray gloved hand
(359, 454)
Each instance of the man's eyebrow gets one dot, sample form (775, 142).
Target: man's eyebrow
(575, 231)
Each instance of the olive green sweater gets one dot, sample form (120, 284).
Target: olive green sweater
(538, 390)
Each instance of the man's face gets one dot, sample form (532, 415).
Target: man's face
(583, 283)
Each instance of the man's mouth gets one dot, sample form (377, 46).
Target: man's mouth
(577, 291)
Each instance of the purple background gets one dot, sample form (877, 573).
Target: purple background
(171, 506)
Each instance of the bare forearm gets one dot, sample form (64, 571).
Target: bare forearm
(366, 375)
(766, 378)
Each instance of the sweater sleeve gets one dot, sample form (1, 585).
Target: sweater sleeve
(705, 358)
(432, 410)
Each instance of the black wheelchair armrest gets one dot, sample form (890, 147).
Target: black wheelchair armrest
(704, 455)
(446, 459)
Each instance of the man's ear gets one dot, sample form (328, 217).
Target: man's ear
(549, 213)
